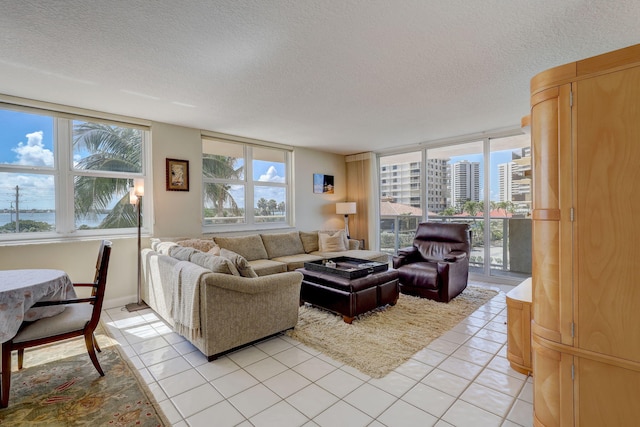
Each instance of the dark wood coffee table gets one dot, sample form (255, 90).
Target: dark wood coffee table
(334, 290)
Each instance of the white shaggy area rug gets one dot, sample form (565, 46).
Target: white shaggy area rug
(379, 341)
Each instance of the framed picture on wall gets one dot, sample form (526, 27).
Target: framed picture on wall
(322, 184)
(177, 175)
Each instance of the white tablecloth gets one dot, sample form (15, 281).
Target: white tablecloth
(20, 289)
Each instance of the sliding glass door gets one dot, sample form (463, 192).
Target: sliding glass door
(455, 192)
(510, 206)
(485, 183)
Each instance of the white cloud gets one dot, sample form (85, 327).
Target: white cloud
(33, 153)
(271, 176)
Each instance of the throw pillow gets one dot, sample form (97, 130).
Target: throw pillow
(163, 247)
(203, 245)
(181, 253)
(331, 243)
(309, 241)
(215, 250)
(333, 232)
(240, 262)
(217, 264)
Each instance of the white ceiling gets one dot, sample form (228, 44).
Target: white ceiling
(344, 76)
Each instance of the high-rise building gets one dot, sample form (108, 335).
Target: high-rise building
(505, 174)
(400, 182)
(465, 182)
(515, 181)
(438, 185)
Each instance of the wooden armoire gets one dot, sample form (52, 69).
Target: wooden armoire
(585, 130)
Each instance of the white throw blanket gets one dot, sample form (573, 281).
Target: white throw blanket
(185, 307)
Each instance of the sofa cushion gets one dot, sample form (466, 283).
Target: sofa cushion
(250, 247)
(360, 254)
(181, 253)
(309, 241)
(204, 245)
(216, 264)
(240, 262)
(331, 242)
(265, 267)
(297, 261)
(282, 244)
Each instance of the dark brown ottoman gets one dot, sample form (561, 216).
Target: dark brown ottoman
(349, 297)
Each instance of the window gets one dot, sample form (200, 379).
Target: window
(60, 176)
(484, 182)
(244, 186)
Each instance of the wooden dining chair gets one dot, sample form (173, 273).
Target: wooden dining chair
(80, 318)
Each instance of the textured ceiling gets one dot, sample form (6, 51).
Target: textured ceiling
(344, 76)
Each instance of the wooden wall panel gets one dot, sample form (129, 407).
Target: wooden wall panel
(608, 200)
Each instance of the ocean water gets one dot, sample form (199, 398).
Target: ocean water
(48, 217)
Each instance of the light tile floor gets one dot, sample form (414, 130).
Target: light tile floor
(461, 379)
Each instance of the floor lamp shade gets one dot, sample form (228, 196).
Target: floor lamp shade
(346, 209)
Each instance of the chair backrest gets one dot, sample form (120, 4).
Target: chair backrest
(99, 260)
(436, 239)
(100, 282)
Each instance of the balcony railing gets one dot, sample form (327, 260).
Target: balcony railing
(509, 241)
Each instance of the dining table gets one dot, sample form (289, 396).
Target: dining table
(21, 289)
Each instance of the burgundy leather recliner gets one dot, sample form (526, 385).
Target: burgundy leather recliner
(437, 265)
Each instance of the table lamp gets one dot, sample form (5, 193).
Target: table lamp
(346, 208)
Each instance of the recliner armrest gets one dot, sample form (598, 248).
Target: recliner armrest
(406, 256)
(455, 256)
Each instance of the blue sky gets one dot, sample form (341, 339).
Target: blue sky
(26, 139)
(15, 146)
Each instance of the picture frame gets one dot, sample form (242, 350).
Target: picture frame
(177, 175)
(323, 184)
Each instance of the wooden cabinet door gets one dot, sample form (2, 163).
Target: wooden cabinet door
(607, 232)
(552, 257)
(551, 220)
(607, 193)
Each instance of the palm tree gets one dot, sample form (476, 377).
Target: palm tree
(272, 206)
(217, 166)
(111, 148)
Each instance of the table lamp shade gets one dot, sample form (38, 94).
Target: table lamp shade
(346, 208)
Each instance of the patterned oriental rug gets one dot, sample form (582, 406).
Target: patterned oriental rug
(379, 341)
(60, 387)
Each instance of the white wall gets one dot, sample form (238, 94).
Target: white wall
(318, 211)
(178, 213)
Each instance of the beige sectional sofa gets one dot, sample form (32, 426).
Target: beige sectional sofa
(225, 292)
(270, 253)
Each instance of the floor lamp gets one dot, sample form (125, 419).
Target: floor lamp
(135, 198)
(346, 208)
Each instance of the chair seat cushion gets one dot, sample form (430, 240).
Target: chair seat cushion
(73, 318)
(419, 274)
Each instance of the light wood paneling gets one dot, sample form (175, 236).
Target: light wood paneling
(519, 327)
(586, 296)
(596, 384)
(608, 196)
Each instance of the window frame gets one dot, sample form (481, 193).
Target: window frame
(250, 185)
(63, 173)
